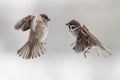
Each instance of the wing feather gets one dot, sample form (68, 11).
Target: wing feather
(81, 43)
(91, 38)
(25, 23)
(84, 39)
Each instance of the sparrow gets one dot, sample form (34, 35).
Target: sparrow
(84, 39)
(38, 26)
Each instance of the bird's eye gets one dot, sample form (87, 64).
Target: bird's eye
(72, 27)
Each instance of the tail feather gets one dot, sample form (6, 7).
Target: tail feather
(24, 51)
(37, 46)
(40, 46)
(35, 55)
(31, 50)
(105, 53)
(105, 49)
(21, 50)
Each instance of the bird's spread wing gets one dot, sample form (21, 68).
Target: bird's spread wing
(91, 37)
(25, 23)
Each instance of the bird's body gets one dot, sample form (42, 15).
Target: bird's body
(85, 40)
(74, 33)
(38, 33)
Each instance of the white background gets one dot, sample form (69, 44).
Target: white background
(60, 63)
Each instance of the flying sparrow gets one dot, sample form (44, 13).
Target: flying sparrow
(85, 40)
(38, 26)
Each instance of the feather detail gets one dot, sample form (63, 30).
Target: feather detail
(102, 51)
(24, 23)
(19, 24)
(86, 40)
(33, 24)
(31, 50)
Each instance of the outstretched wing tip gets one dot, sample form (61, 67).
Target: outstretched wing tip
(24, 23)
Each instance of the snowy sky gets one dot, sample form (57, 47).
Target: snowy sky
(60, 63)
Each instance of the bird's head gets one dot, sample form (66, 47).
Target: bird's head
(73, 25)
(44, 17)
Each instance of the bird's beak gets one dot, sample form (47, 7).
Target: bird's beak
(67, 24)
(48, 19)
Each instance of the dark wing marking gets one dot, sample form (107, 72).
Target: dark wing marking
(24, 23)
(81, 43)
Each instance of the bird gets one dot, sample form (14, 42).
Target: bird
(84, 39)
(38, 26)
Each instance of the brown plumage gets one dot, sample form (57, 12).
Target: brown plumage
(38, 33)
(85, 40)
(24, 23)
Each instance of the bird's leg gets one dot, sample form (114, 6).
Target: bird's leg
(86, 51)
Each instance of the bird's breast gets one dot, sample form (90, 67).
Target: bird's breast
(74, 35)
(40, 33)
(44, 35)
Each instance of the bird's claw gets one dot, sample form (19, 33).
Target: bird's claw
(86, 51)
